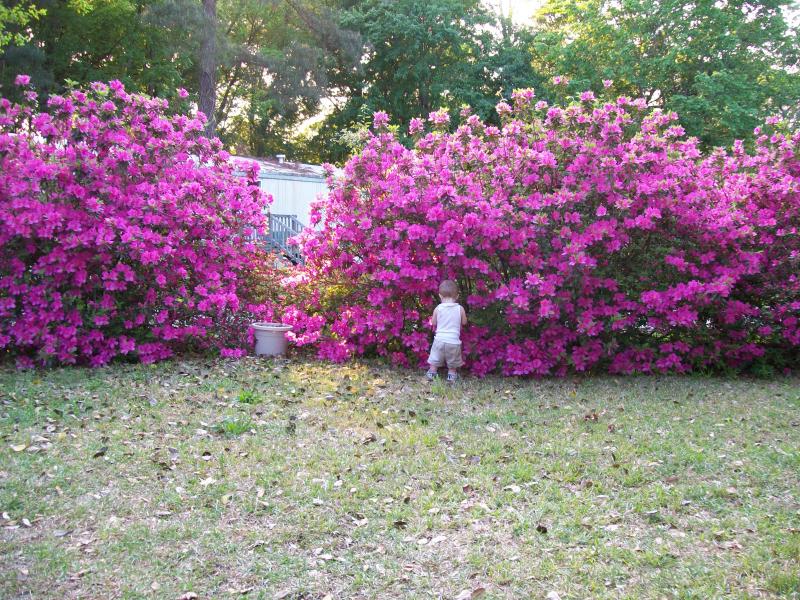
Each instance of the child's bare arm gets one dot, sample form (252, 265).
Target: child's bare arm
(463, 316)
(433, 319)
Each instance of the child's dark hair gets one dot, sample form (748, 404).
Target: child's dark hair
(448, 289)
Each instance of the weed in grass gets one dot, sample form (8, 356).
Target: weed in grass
(249, 397)
(234, 426)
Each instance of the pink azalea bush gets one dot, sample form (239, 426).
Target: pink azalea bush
(592, 236)
(122, 231)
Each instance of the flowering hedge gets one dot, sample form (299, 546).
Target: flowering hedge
(121, 231)
(588, 236)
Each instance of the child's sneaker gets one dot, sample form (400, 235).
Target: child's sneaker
(431, 376)
(452, 377)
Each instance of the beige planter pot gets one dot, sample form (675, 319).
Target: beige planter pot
(271, 338)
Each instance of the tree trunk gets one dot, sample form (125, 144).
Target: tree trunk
(208, 66)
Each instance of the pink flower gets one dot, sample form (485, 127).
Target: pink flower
(22, 80)
(380, 120)
(503, 109)
(440, 117)
(523, 96)
(232, 352)
(416, 125)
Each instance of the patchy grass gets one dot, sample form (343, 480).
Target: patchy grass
(304, 480)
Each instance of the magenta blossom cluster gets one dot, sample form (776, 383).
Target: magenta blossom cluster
(590, 236)
(123, 231)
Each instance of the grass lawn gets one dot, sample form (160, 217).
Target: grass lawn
(276, 479)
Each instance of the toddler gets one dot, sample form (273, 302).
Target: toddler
(447, 320)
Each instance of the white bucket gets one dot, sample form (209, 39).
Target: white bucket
(271, 338)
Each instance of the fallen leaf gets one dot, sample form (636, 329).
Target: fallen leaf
(19, 447)
(100, 452)
(553, 596)
(512, 488)
(188, 596)
(400, 524)
(471, 594)
(207, 482)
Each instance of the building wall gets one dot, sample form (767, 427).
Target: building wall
(293, 196)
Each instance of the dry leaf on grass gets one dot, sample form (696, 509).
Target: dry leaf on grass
(471, 594)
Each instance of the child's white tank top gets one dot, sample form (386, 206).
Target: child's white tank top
(448, 323)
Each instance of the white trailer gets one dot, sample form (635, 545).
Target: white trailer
(293, 187)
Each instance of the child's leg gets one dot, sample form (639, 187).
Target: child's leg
(454, 360)
(435, 360)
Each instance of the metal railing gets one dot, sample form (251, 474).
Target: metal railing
(281, 228)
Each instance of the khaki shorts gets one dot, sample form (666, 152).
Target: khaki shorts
(442, 353)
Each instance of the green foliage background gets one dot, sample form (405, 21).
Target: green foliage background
(302, 77)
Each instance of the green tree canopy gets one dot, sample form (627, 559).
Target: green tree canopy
(422, 56)
(14, 19)
(272, 56)
(722, 65)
